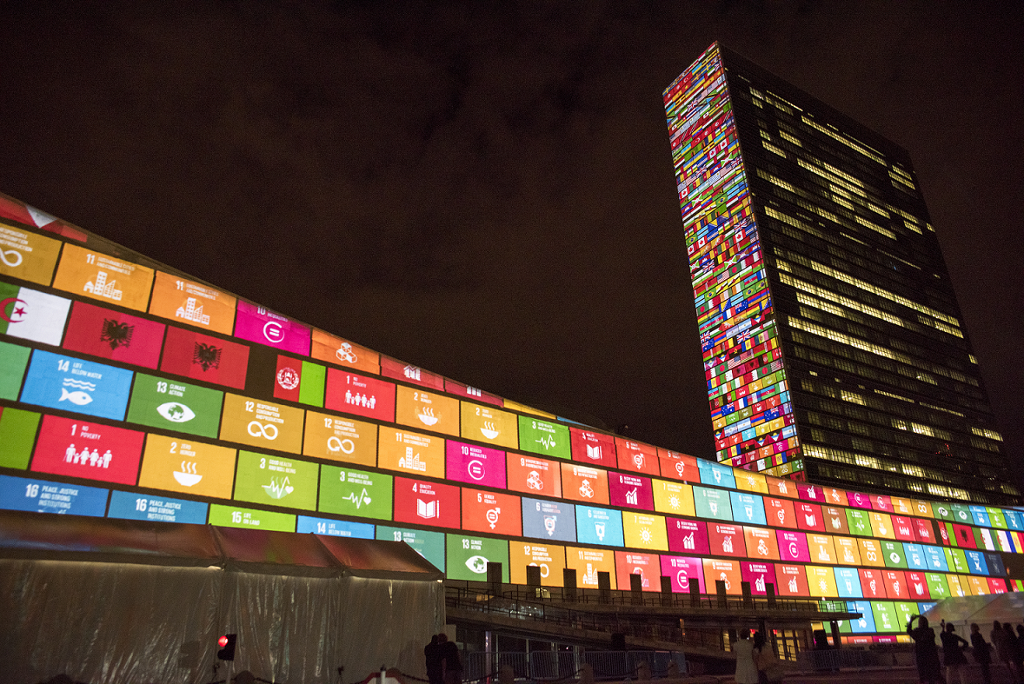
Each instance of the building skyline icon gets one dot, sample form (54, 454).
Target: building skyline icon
(833, 346)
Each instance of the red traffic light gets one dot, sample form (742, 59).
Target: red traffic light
(227, 646)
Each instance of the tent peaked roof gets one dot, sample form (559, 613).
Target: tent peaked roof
(37, 536)
(1008, 607)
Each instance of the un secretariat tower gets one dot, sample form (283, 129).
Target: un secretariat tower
(833, 345)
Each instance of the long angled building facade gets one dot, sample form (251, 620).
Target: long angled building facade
(833, 346)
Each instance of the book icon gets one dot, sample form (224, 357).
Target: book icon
(427, 510)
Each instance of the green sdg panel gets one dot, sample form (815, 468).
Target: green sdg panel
(17, 434)
(232, 516)
(276, 481)
(355, 493)
(428, 544)
(468, 557)
(174, 405)
(544, 437)
(13, 359)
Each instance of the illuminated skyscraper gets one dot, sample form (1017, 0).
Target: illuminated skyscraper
(833, 345)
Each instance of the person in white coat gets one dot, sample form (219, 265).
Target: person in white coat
(746, 669)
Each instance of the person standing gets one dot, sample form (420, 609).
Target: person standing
(432, 655)
(929, 671)
(451, 663)
(746, 669)
(982, 653)
(953, 654)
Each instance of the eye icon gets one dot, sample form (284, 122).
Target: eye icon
(176, 412)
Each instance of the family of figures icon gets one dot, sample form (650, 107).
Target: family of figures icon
(87, 458)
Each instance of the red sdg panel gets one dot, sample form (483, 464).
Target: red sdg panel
(726, 540)
(206, 358)
(592, 448)
(426, 503)
(808, 517)
(358, 394)
(80, 448)
(114, 335)
(678, 466)
(491, 513)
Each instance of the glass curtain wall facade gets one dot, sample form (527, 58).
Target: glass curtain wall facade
(833, 345)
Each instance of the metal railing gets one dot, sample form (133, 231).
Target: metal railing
(558, 665)
(534, 600)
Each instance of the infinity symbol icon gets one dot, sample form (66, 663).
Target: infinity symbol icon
(257, 429)
(346, 445)
(11, 257)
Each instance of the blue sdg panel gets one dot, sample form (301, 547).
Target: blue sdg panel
(70, 384)
(41, 496)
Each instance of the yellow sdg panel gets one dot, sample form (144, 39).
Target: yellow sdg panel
(644, 531)
(550, 558)
(488, 424)
(881, 525)
(27, 256)
(674, 498)
(821, 582)
(181, 465)
(340, 439)
(411, 452)
(427, 411)
(261, 424)
(91, 274)
(589, 562)
(751, 482)
(820, 548)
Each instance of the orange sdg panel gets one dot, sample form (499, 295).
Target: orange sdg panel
(646, 565)
(847, 550)
(533, 476)
(762, 544)
(490, 425)
(192, 303)
(588, 562)
(581, 483)
(727, 571)
(550, 558)
(261, 424)
(427, 411)
(410, 452)
(98, 276)
(333, 349)
(340, 439)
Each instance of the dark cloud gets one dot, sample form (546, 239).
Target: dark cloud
(485, 188)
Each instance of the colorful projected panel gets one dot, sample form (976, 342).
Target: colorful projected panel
(189, 467)
(91, 451)
(715, 512)
(334, 438)
(747, 387)
(27, 256)
(192, 303)
(91, 274)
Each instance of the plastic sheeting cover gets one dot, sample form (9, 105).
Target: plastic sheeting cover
(146, 613)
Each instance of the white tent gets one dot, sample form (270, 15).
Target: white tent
(963, 610)
(121, 601)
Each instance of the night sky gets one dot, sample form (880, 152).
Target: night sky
(485, 189)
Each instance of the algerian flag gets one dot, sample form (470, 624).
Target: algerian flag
(32, 315)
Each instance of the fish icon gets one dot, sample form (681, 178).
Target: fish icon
(77, 397)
